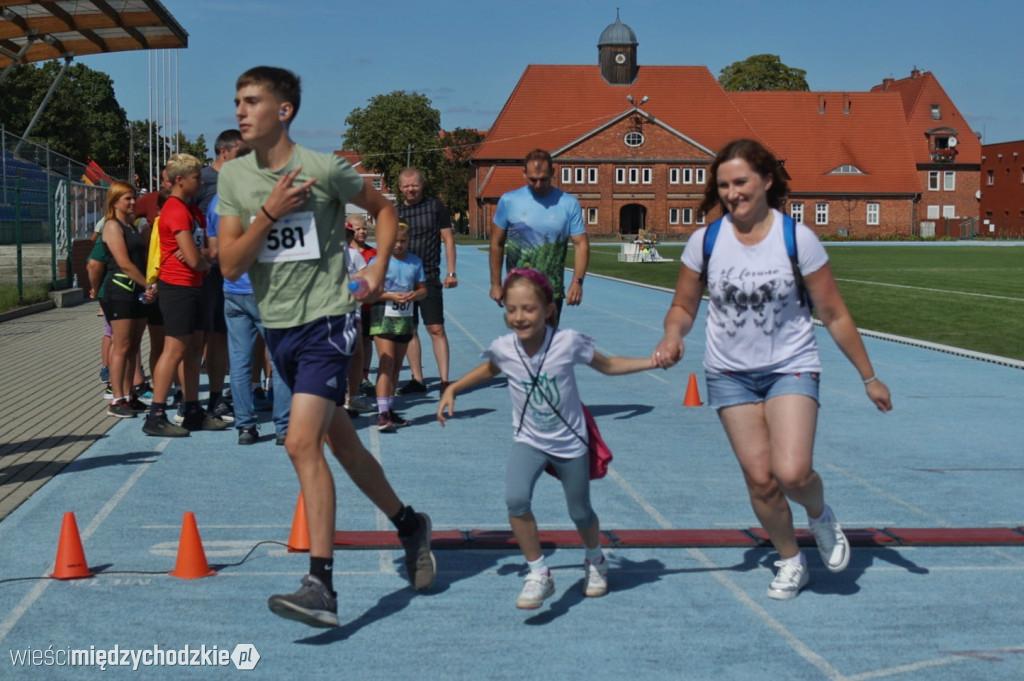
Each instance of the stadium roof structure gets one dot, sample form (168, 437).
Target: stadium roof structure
(64, 29)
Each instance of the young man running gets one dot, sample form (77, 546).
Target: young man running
(282, 214)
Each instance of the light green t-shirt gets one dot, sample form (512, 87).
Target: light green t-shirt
(296, 292)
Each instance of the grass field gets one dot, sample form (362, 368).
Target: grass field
(969, 297)
(33, 293)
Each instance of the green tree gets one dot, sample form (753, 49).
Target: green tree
(453, 183)
(762, 72)
(396, 130)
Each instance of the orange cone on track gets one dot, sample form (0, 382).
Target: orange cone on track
(298, 540)
(70, 563)
(692, 398)
(191, 562)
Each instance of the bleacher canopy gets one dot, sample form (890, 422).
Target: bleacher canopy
(63, 29)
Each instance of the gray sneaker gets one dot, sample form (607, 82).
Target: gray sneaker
(312, 604)
(159, 426)
(121, 409)
(420, 565)
(203, 421)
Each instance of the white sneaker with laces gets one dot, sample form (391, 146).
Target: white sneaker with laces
(788, 581)
(595, 584)
(536, 588)
(832, 543)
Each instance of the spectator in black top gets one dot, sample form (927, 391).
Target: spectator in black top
(429, 225)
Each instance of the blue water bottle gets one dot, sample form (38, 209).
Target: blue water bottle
(359, 287)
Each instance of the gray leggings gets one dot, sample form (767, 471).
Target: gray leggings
(525, 465)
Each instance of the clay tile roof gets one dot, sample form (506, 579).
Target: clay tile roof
(553, 105)
(501, 179)
(873, 137)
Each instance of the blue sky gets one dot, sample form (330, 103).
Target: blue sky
(467, 56)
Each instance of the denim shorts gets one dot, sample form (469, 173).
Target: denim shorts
(743, 387)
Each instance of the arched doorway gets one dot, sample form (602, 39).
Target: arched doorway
(632, 218)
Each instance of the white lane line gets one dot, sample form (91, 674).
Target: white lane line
(933, 290)
(18, 611)
(387, 565)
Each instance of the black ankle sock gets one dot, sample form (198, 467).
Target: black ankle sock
(157, 408)
(214, 398)
(405, 521)
(323, 569)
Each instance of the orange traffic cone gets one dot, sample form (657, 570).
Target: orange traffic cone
(70, 563)
(298, 540)
(692, 398)
(191, 562)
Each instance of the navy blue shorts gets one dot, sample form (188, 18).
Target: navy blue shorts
(314, 358)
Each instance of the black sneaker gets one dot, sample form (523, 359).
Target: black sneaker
(200, 420)
(137, 405)
(248, 436)
(398, 419)
(120, 409)
(280, 438)
(413, 386)
(312, 604)
(420, 565)
(159, 426)
(368, 388)
(223, 411)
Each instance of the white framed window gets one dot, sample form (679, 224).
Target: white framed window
(933, 212)
(701, 175)
(874, 213)
(933, 180)
(591, 216)
(821, 213)
(634, 175)
(646, 176)
(949, 211)
(687, 175)
(687, 216)
(673, 216)
(991, 177)
(592, 175)
(581, 175)
(620, 176)
(566, 175)
(796, 211)
(949, 180)
(633, 139)
(378, 183)
(673, 175)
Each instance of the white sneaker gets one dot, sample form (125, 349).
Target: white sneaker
(362, 404)
(832, 544)
(536, 588)
(596, 583)
(788, 581)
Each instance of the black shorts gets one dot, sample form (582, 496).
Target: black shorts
(395, 337)
(118, 309)
(213, 289)
(154, 317)
(431, 307)
(184, 309)
(365, 317)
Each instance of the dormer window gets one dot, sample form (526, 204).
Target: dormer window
(847, 169)
(942, 144)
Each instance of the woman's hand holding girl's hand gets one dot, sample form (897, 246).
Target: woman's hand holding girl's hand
(667, 352)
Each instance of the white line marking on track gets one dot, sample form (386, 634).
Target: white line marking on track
(933, 290)
(387, 565)
(18, 611)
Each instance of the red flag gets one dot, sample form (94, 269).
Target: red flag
(95, 174)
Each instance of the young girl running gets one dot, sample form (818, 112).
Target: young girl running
(391, 324)
(547, 421)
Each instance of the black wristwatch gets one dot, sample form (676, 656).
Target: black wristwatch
(579, 280)
(452, 274)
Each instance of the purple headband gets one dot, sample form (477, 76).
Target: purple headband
(536, 277)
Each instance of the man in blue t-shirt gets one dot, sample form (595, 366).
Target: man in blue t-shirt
(532, 228)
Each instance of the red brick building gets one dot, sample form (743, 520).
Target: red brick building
(633, 143)
(1002, 190)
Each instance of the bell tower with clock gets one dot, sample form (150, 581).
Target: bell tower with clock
(616, 51)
